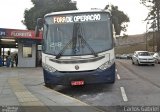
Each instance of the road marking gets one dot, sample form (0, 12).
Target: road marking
(118, 76)
(124, 96)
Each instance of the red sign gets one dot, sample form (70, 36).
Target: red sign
(13, 33)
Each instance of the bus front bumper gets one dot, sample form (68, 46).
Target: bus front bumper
(89, 77)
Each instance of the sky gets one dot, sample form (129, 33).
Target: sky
(12, 12)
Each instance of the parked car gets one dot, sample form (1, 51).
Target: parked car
(156, 56)
(129, 56)
(124, 56)
(151, 53)
(117, 56)
(143, 57)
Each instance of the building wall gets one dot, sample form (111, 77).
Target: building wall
(26, 62)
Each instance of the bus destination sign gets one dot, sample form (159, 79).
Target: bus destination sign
(76, 18)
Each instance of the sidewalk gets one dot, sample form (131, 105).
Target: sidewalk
(24, 89)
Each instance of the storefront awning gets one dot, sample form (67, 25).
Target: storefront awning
(14, 33)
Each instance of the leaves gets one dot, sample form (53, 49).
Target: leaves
(42, 7)
(153, 16)
(153, 6)
(119, 17)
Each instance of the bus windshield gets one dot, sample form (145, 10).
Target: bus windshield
(83, 37)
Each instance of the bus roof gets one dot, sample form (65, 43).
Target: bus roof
(74, 11)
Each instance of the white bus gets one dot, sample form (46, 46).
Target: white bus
(78, 48)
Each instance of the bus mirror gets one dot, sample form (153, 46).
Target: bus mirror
(117, 26)
(39, 25)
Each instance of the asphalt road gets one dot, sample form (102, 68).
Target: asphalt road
(134, 86)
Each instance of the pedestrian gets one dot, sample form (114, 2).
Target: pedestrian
(16, 59)
(12, 61)
(1, 61)
(8, 61)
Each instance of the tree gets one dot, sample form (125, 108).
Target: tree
(42, 7)
(153, 16)
(119, 18)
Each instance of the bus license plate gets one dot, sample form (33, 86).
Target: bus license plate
(77, 83)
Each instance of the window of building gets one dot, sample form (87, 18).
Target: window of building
(27, 51)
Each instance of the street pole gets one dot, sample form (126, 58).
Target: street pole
(157, 3)
(146, 37)
(158, 36)
(154, 35)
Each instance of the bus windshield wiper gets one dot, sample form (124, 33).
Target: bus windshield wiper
(85, 42)
(64, 48)
(72, 41)
(80, 37)
(76, 35)
(69, 43)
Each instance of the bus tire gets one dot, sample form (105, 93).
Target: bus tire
(113, 81)
(49, 85)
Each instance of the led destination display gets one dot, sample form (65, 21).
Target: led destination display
(79, 18)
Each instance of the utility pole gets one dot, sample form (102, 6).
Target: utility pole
(146, 35)
(157, 4)
(154, 25)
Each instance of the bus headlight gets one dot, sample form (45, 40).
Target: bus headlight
(48, 68)
(107, 64)
(51, 69)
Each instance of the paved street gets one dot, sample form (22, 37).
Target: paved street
(80, 56)
(142, 83)
(23, 89)
(135, 86)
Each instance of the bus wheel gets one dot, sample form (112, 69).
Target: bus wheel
(49, 85)
(113, 81)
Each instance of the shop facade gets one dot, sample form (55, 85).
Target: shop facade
(28, 46)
